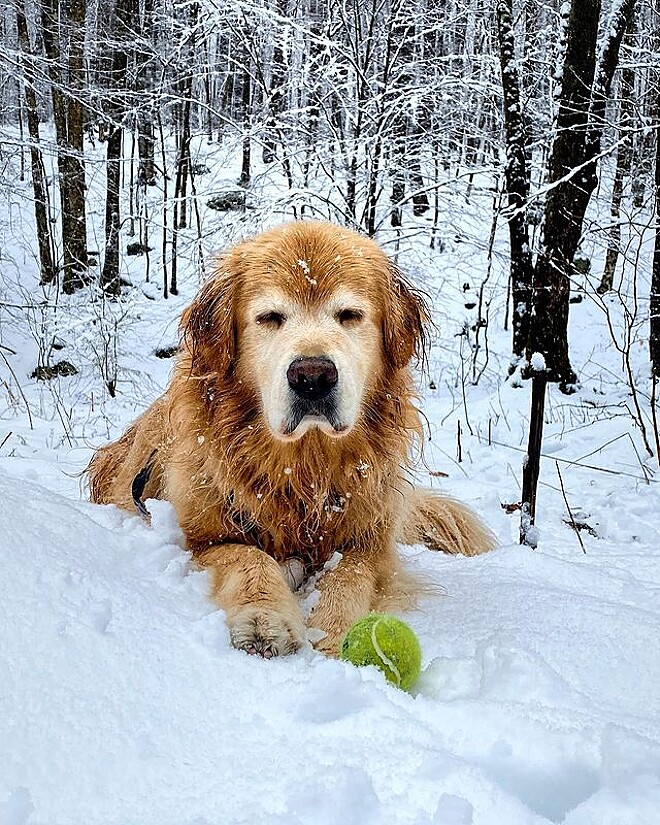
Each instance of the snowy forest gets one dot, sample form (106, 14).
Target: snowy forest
(505, 154)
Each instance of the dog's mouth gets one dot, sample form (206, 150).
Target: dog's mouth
(321, 414)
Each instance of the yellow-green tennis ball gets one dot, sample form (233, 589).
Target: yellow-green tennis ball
(388, 643)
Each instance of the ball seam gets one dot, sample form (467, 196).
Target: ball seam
(380, 652)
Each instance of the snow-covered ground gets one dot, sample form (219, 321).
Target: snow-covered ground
(122, 702)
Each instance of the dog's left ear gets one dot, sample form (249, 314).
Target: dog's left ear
(404, 324)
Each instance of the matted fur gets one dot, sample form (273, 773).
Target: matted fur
(248, 496)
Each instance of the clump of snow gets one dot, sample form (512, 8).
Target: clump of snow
(537, 362)
(305, 268)
(150, 290)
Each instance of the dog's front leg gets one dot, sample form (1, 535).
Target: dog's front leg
(349, 592)
(262, 613)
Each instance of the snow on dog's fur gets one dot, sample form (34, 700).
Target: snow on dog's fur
(286, 431)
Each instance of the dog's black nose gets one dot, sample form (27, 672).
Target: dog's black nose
(312, 378)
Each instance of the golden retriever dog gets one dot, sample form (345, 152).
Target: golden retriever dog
(285, 435)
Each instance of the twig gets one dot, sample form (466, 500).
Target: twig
(570, 512)
(20, 389)
(602, 446)
(5, 439)
(459, 449)
(639, 459)
(579, 464)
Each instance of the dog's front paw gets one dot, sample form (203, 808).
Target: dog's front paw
(329, 645)
(266, 631)
(327, 641)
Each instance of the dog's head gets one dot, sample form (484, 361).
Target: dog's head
(310, 320)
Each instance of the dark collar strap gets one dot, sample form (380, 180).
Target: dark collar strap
(139, 483)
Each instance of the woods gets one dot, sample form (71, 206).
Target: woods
(388, 117)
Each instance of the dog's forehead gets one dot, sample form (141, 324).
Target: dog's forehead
(311, 266)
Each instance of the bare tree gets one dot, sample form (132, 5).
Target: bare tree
(517, 184)
(572, 180)
(121, 33)
(63, 33)
(39, 183)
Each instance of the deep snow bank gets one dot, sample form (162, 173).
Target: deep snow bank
(121, 701)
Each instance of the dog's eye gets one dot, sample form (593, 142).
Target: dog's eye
(273, 318)
(348, 316)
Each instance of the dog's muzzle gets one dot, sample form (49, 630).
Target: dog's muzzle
(313, 383)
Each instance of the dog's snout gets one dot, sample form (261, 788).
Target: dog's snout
(312, 378)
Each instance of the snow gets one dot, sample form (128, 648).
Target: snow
(122, 701)
(537, 362)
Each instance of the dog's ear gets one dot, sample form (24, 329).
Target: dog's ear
(404, 323)
(208, 326)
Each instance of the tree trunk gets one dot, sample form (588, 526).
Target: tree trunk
(614, 235)
(76, 275)
(623, 165)
(144, 86)
(44, 237)
(246, 96)
(516, 182)
(399, 50)
(182, 170)
(276, 103)
(316, 59)
(120, 32)
(110, 272)
(67, 114)
(572, 176)
(566, 202)
(532, 465)
(654, 337)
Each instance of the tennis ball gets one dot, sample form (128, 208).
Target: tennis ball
(388, 643)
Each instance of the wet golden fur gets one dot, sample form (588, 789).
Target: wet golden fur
(248, 497)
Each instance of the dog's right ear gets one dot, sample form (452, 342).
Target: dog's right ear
(208, 326)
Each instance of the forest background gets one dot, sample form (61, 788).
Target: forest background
(195, 122)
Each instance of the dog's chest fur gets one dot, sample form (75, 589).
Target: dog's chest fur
(287, 526)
